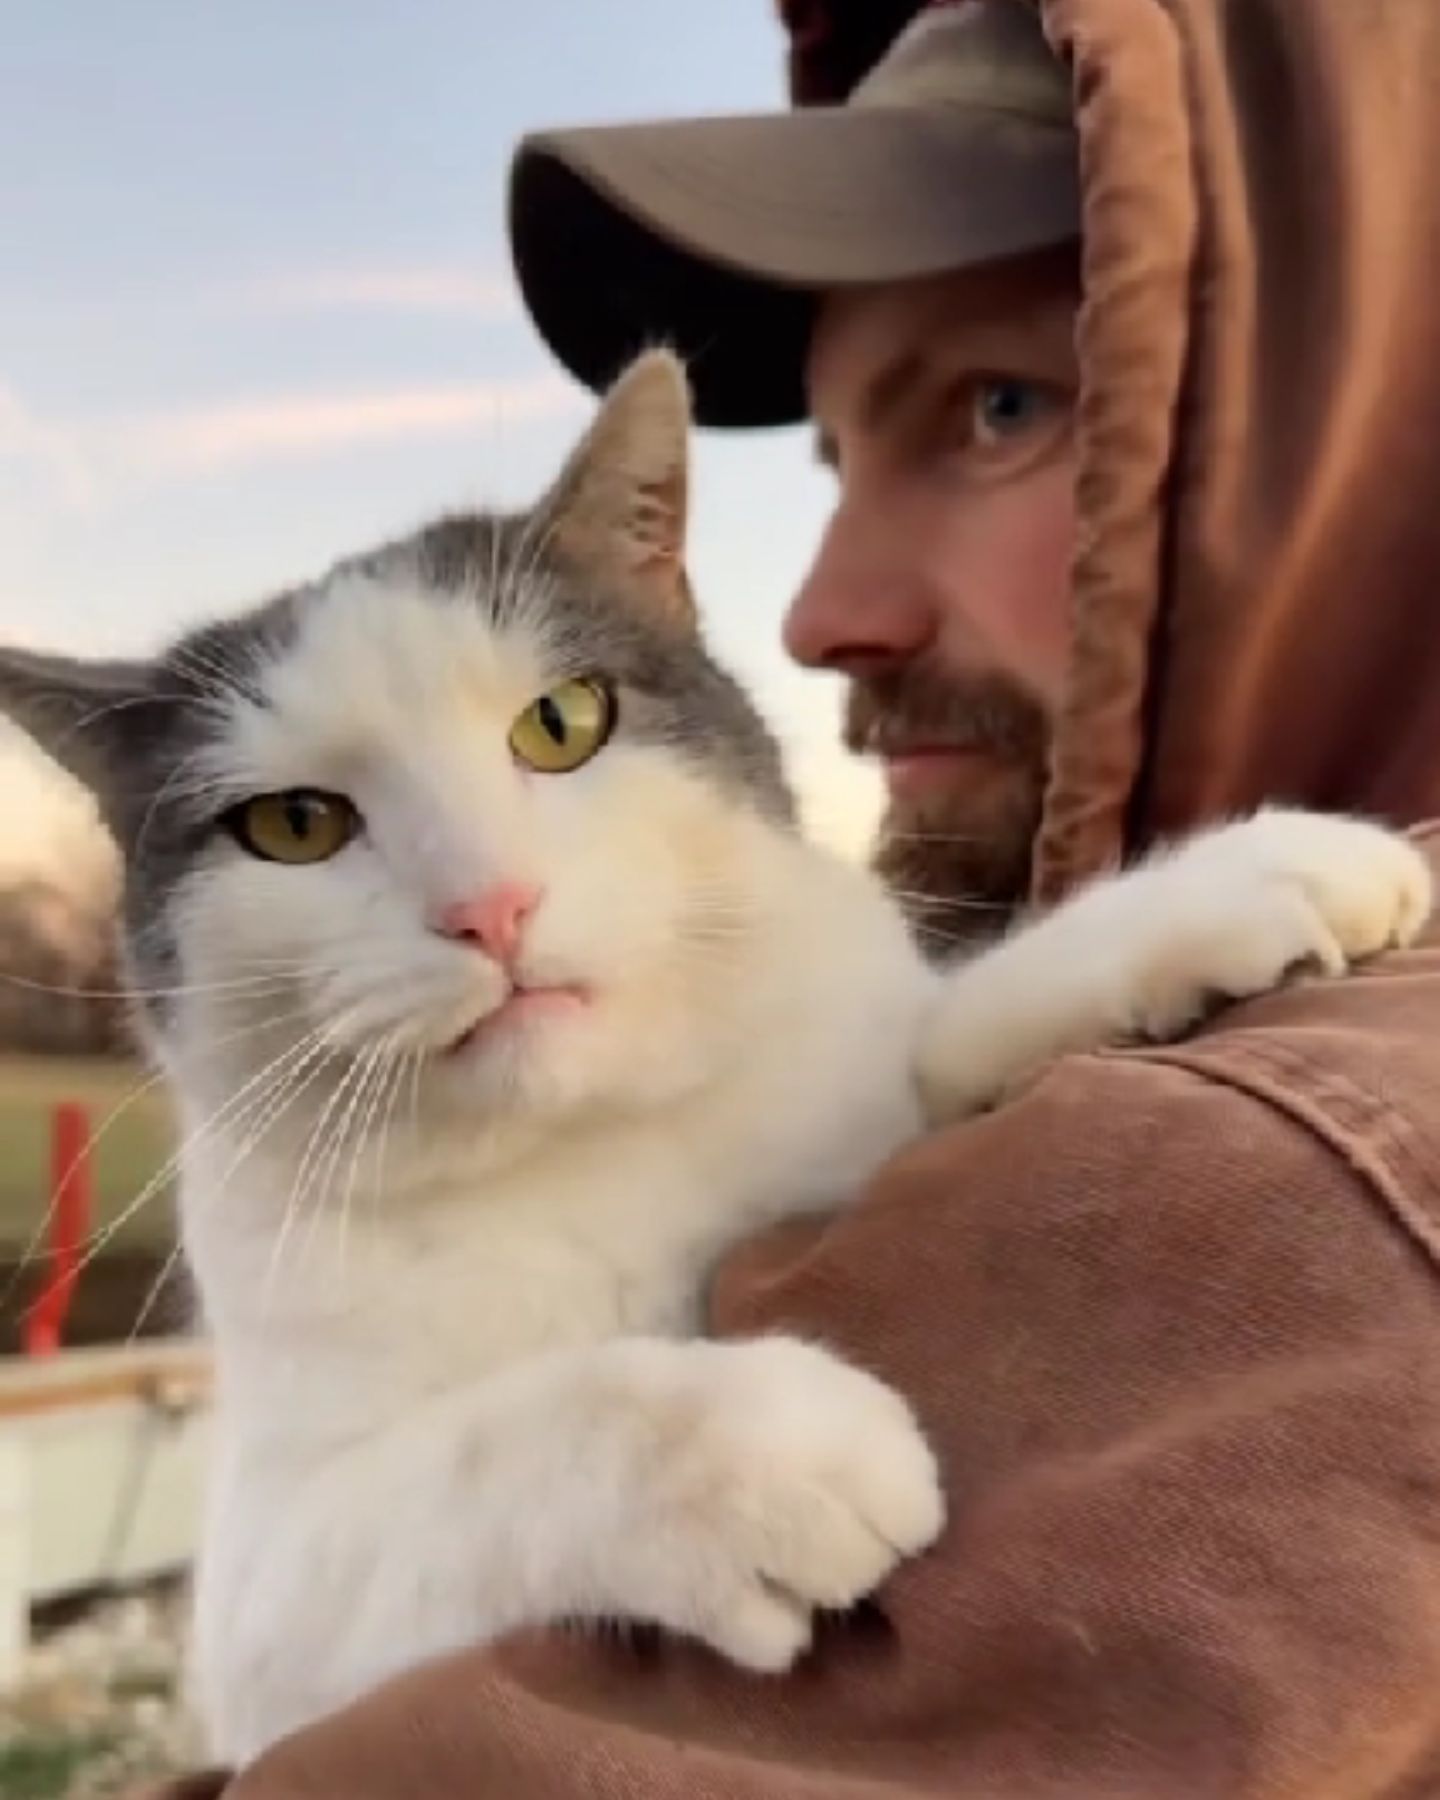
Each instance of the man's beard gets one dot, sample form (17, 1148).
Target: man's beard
(957, 859)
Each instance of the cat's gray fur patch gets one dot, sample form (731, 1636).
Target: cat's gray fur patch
(672, 690)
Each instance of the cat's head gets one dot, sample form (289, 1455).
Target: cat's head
(480, 801)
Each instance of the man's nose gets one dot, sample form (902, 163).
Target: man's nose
(860, 610)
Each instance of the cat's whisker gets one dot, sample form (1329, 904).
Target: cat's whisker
(245, 986)
(353, 1133)
(417, 1065)
(407, 1063)
(153, 1293)
(169, 788)
(959, 903)
(294, 1200)
(162, 1177)
(231, 677)
(527, 540)
(94, 1140)
(718, 938)
(99, 713)
(316, 1149)
(516, 596)
(319, 1053)
(349, 1134)
(388, 1060)
(721, 905)
(493, 586)
(279, 1099)
(237, 1110)
(232, 681)
(297, 1083)
(67, 1181)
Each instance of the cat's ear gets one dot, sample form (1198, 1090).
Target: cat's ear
(621, 504)
(93, 718)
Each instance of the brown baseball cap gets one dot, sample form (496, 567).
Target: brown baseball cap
(715, 235)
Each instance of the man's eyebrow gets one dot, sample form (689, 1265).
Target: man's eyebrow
(888, 389)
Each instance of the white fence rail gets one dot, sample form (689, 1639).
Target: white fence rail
(101, 1468)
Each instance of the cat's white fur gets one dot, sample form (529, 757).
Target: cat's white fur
(459, 1387)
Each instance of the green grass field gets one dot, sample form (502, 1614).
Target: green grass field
(127, 1152)
(48, 1765)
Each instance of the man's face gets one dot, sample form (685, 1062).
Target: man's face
(941, 587)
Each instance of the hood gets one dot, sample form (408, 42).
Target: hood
(1255, 614)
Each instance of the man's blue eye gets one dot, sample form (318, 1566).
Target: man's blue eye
(1004, 405)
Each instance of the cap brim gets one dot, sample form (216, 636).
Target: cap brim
(715, 235)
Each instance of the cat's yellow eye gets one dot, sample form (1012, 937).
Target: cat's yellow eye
(564, 728)
(298, 826)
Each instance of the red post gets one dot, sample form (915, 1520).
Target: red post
(72, 1182)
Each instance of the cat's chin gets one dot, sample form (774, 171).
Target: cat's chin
(522, 1010)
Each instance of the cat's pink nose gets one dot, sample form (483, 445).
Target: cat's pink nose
(493, 921)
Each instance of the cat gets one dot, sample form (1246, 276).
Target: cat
(499, 994)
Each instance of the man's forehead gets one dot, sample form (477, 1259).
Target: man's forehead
(870, 345)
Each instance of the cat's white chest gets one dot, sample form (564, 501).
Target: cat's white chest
(579, 1259)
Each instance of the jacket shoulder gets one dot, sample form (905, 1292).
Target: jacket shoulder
(1350, 1061)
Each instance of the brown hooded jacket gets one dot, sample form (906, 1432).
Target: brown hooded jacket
(1172, 1319)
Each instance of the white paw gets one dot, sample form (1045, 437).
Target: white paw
(790, 1484)
(1145, 954)
(1238, 910)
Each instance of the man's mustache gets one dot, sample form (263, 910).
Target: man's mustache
(920, 708)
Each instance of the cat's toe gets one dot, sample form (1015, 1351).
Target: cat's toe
(809, 1482)
(1373, 888)
(1369, 889)
(761, 1630)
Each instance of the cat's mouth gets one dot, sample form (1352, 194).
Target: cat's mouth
(521, 1006)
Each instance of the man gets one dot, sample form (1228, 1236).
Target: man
(1172, 1318)
(933, 339)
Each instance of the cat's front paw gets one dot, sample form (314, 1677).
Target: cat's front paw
(1240, 909)
(1144, 955)
(789, 1483)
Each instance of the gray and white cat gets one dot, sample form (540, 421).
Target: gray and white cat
(499, 994)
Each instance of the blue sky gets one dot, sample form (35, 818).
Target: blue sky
(256, 312)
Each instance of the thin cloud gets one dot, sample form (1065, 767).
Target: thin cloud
(307, 425)
(434, 290)
(48, 449)
(79, 461)
(82, 460)
(401, 290)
